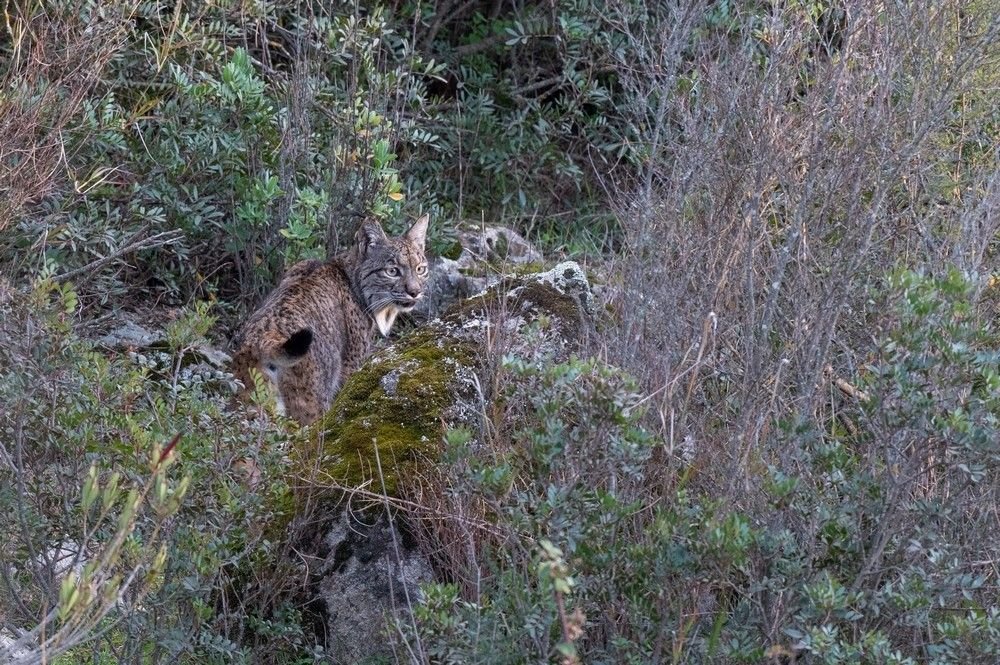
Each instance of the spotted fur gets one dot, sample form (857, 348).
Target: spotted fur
(316, 327)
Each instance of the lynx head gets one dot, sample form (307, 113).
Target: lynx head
(391, 272)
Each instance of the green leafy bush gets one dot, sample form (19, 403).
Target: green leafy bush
(869, 547)
(258, 138)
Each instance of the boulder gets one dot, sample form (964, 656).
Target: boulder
(371, 568)
(389, 420)
(130, 334)
(483, 254)
(498, 246)
(127, 335)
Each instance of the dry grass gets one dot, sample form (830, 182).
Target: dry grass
(792, 165)
(52, 63)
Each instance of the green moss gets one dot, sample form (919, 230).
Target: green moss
(555, 303)
(389, 414)
(453, 251)
(492, 267)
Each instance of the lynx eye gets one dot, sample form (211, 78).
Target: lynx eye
(392, 271)
(421, 270)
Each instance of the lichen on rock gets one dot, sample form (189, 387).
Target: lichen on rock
(370, 567)
(569, 279)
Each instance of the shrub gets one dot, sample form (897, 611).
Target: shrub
(209, 147)
(868, 545)
(139, 512)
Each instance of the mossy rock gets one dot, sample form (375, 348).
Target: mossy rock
(528, 301)
(389, 413)
(390, 417)
(561, 296)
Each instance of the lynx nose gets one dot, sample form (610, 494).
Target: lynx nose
(413, 291)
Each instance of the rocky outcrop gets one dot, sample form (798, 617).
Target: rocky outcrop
(483, 254)
(389, 420)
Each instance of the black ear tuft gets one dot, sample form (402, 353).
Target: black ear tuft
(298, 344)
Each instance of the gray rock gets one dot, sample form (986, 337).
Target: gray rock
(568, 277)
(214, 356)
(372, 569)
(13, 650)
(498, 245)
(131, 334)
(486, 251)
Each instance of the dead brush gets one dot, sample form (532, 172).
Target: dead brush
(53, 61)
(787, 171)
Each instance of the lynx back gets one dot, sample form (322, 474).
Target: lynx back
(316, 327)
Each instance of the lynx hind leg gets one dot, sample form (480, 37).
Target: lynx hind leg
(299, 392)
(282, 360)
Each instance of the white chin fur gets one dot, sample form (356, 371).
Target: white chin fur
(384, 318)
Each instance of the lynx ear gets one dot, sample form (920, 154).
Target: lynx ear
(418, 232)
(370, 233)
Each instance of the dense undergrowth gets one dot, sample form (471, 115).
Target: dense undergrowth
(783, 442)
